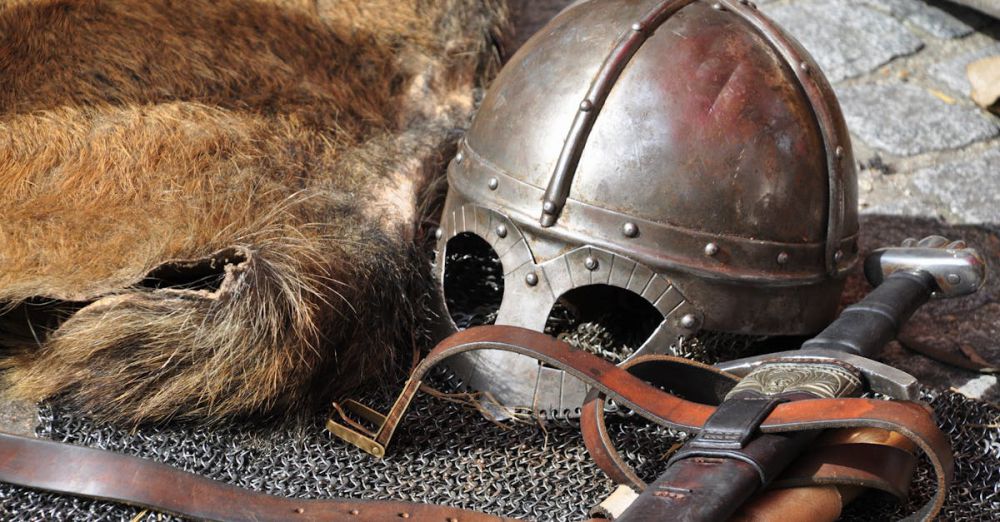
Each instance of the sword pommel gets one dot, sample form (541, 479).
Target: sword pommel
(956, 269)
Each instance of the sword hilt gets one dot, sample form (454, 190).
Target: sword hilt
(729, 460)
(905, 278)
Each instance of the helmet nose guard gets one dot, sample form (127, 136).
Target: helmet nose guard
(688, 152)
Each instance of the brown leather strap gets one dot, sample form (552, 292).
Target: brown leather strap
(909, 419)
(875, 466)
(75, 470)
(878, 466)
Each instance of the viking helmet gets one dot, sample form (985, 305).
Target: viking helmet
(685, 151)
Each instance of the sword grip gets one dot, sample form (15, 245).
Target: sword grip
(868, 325)
(905, 277)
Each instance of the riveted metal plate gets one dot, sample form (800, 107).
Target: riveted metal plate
(641, 277)
(621, 272)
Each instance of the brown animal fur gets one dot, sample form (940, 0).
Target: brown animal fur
(209, 208)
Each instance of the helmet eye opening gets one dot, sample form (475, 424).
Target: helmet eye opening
(611, 320)
(473, 281)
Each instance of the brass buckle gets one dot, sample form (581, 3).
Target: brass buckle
(373, 442)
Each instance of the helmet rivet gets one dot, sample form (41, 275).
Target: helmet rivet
(493, 183)
(531, 279)
(954, 279)
(838, 256)
(689, 321)
(549, 207)
(630, 229)
(586, 105)
(439, 233)
(637, 27)
(502, 231)
(459, 157)
(711, 249)
(838, 152)
(804, 66)
(590, 263)
(783, 258)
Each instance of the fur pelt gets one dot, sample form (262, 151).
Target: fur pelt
(211, 208)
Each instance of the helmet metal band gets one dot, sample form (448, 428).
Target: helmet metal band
(530, 292)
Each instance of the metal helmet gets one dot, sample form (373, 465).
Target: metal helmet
(687, 151)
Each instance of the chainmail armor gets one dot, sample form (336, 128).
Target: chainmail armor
(446, 453)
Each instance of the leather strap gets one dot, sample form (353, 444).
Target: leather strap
(878, 466)
(76, 470)
(95, 473)
(912, 420)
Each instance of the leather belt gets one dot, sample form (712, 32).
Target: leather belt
(44, 465)
(75, 470)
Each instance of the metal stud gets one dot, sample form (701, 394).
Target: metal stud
(355, 512)
(502, 231)
(586, 105)
(718, 6)
(804, 66)
(838, 152)
(711, 249)
(630, 229)
(493, 183)
(439, 233)
(459, 157)
(689, 321)
(783, 258)
(590, 263)
(954, 279)
(531, 279)
(838, 256)
(637, 27)
(549, 207)
(404, 515)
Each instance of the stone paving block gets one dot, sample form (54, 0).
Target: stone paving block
(905, 119)
(931, 19)
(846, 39)
(908, 206)
(970, 187)
(952, 72)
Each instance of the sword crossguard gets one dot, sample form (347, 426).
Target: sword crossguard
(956, 268)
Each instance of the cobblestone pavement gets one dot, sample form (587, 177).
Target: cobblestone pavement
(929, 157)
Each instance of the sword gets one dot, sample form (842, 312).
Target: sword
(712, 476)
